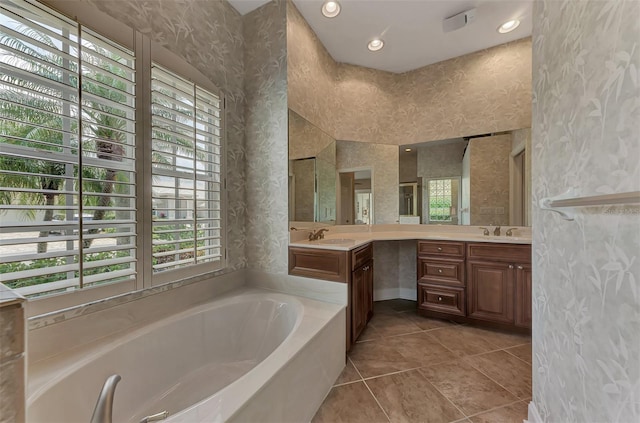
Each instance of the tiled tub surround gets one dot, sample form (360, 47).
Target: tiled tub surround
(406, 368)
(267, 353)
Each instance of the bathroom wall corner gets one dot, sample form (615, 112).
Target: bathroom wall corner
(266, 142)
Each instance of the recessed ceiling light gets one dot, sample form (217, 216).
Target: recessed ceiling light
(375, 44)
(407, 149)
(331, 8)
(508, 26)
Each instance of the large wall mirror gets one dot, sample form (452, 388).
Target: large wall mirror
(475, 180)
(312, 172)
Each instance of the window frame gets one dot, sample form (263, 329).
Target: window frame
(145, 52)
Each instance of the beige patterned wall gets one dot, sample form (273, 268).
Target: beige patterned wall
(311, 73)
(486, 91)
(208, 35)
(585, 135)
(489, 176)
(383, 162)
(305, 140)
(266, 137)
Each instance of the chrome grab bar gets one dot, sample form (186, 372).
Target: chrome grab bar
(103, 411)
(155, 417)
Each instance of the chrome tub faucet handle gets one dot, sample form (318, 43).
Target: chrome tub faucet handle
(103, 411)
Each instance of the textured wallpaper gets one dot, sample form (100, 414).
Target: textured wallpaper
(486, 91)
(266, 137)
(208, 35)
(586, 135)
(489, 180)
(311, 73)
(383, 162)
(305, 140)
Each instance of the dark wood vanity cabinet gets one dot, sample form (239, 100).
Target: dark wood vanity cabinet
(475, 282)
(361, 297)
(499, 283)
(441, 276)
(523, 295)
(353, 267)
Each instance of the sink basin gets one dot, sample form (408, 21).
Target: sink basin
(334, 241)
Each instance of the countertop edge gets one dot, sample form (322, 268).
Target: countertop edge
(359, 240)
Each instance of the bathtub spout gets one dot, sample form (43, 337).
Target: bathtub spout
(155, 417)
(104, 406)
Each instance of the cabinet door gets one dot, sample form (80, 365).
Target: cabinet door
(523, 295)
(369, 288)
(361, 298)
(490, 291)
(358, 302)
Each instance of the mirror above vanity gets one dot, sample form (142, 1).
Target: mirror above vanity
(476, 180)
(312, 172)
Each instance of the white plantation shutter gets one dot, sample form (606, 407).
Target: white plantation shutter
(67, 162)
(186, 169)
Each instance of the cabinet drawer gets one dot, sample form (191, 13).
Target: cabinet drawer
(329, 265)
(438, 270)
(441, 248)
(361, 255)
(443, 300)
(512, 253)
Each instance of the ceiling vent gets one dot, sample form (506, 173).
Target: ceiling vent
(458, 21)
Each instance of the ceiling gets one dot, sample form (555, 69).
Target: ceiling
(411, 29)
(246, 6)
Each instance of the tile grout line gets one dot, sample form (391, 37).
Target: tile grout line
(377, 402)
(353, 381)
(507, 351)
(494, 409)
(445, 397)
(495, 381)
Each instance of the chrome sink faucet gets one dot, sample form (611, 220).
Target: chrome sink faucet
(104, 406)
(486, 231)
(510, 231)
(316, 235)
(496, 231)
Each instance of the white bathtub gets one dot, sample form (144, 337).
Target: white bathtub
(246, 357)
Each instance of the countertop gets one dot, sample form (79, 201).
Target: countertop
(341, 239)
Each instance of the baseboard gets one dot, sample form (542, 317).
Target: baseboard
(409, 294)
(534, 416)
(386, 294)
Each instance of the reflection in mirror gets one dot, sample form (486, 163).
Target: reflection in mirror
(312, 172)
(478, 180)
(356, 198)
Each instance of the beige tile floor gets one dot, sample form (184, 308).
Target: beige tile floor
(407, 368)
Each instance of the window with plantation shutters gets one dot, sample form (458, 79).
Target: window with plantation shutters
(186, 168)
(67, 154)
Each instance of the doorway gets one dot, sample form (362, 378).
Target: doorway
(356, 197)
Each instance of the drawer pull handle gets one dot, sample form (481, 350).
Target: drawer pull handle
(520, 267)
(511, 266)
(439, 248)
(439, 298)
(439, 270)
